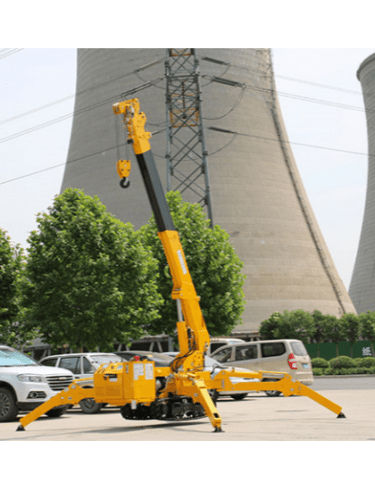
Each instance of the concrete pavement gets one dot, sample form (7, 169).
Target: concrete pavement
(257, 418)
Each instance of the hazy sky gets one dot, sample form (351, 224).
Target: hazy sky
(322, 106)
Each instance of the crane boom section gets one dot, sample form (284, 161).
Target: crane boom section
(183, 288)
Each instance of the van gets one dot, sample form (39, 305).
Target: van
(282, 355)
(217, 342)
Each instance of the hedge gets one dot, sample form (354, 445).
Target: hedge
(343, 365)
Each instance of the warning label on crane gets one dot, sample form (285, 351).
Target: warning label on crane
(137, 371)
(149, 368)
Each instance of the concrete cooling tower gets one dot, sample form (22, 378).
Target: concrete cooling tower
(256, 192)
(362, 286)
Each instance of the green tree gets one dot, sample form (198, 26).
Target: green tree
(367, 327)
(333, 331)
(90, 280)
(297, 324)
(319, 320)
(11, 267)
(268, 328)
(350, 326)
(214, 266)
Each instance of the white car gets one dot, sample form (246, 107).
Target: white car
(25, 384)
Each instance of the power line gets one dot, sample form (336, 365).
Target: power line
(227, 67)
(212, 79)
(321, 85)
(41, 126)
(152, 82)
(58, 165)
(82, 92)
(302, 98)
(72, 114)
(222, 130)
(298, 80)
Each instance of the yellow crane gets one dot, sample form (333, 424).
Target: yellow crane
(182, 390)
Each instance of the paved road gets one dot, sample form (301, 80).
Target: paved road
(257, 418)
(344, 383)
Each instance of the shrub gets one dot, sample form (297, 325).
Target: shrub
(365, 362)
(318, 371)
(328, 371)
(342, 362)
(319, 362)
(347, 371)
(360, 370)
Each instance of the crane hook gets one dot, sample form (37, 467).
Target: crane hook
(125, 182)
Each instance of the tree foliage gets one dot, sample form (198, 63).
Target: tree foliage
(11, 267)
(319, 324)
(90, 280)
(350, 326)
(325, 328)
(318, 319)
(214, 266)
(271, 326)
(297, 324)
(367, 325)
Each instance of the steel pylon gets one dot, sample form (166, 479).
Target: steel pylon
(187, 167)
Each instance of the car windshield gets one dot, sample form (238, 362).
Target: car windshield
(210, 363)
(11, 357)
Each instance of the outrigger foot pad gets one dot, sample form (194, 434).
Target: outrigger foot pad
(218, 429)
(341, 416)
(20, 427)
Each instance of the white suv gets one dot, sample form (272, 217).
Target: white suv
(25, 384)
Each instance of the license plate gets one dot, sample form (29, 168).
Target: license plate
(305, 365)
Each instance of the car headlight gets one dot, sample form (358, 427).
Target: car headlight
(31, 378)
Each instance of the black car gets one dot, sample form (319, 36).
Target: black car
(160, 360)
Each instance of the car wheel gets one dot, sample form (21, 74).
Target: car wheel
(272, 392)
(8, 405)
(89, 405)
(240, 396)
(57, 412)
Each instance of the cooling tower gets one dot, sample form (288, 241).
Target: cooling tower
(257, 194)
(362, 286)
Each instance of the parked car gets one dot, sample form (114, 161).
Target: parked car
(25, 384)
(82, 365)
(217, 342)
(215, 366)
(284, 355)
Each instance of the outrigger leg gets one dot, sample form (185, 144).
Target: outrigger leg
(290, 387)
(70, 396)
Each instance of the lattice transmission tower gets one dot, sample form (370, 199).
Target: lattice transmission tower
(187, 167)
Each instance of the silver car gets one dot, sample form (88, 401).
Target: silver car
(82, 365)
